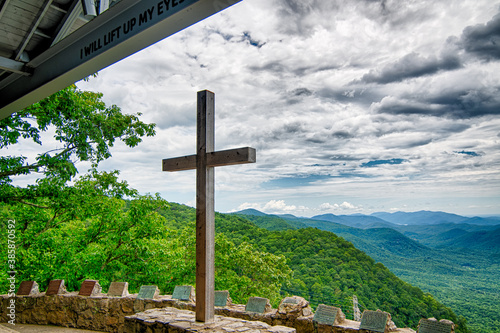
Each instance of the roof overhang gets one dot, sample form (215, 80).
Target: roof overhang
(123, 29)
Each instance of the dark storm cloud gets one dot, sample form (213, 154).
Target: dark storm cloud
(350, 95)
(297, 95)
(332, 139)
(287, 131)
(278, 67)
(410, 143)
(411, 66)
(483, 40)
(299, 17)
(469, 103)
(342, 135)
(302, 92)
(458, 104)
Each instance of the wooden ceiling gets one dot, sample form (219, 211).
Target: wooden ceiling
(46, 45)
(29, 27)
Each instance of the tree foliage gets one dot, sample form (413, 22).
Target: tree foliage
(84, 129)
(87, 231)
(330, 270)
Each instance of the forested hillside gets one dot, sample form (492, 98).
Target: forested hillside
(456, 262)
(327, 269)
(149, 241)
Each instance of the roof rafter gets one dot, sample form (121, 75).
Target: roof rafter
(3, 7)
(32, 29)
(72, 14)
(14, 66)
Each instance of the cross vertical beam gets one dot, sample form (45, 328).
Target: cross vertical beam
(205, 160)
(205, 219)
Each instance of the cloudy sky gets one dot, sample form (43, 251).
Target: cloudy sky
(353, 106)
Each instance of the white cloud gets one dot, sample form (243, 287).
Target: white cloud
(278, 206)
(344, 206)
(287, 82)
(272, 207)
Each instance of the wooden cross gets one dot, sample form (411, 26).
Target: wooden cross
(204, 162)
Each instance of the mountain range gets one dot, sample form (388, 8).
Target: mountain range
(453, 257)
(401, 233)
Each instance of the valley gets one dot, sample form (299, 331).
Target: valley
(455, 258)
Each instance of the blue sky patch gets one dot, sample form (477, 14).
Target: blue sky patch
(294, 181)
(379, 162)
(468, 153)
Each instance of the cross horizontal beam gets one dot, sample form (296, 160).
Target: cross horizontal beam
(214, 159)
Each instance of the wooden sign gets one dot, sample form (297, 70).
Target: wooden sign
(326, 314)
(256, 304)
(374, 321)
(90, 288)
(148, 292)
(55, 287)
(221, 298)
(431, 326)
(183, 293)
(27, 288)
(119, 289)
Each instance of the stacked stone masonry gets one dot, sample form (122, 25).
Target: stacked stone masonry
(110, 314)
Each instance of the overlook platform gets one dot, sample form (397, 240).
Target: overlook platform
(130, 314)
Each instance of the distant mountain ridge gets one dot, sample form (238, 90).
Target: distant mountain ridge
(250, 211)
(356, 221)
(429, 217)
(415, 232)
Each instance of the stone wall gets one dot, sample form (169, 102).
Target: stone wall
(101, 313)
(104, 313)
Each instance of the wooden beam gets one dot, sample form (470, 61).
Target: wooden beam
(179, 163)
(214, 159)
(231, 157)
(34, 26)
(205, 215)
(3, 7)
(14, 66)
(64, 27)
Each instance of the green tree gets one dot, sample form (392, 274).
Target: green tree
(49, 214)
(84, 127)
(241, 269)
(88, 231)
(84, 231)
